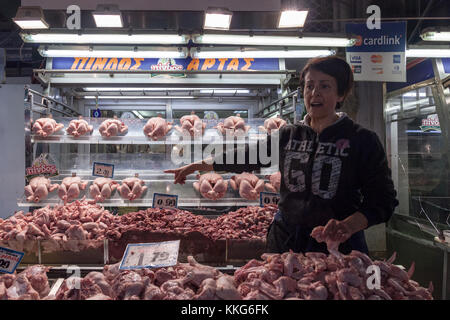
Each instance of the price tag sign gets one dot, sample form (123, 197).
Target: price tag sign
(161, 200)
(9, 260)
(103, 170)
(268, 198)
(150, 255)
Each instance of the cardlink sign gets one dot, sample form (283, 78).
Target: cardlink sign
(152, 64)
(379, 54)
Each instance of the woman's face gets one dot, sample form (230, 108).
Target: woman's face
(320, 94)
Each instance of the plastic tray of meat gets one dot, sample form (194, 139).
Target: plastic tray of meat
(73, 252)
(192, 243)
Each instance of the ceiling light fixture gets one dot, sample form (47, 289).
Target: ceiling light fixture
(432, 34)
(107, 16)
(428, 53)
(30, 18)
(102, 52)
(292, 19)
(284, 41)
(97, 38)
(204, 54)
(217, 19)
(138, 97)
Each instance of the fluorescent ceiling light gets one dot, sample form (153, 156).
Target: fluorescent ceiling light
(221, 91)
(30, 18)
(428, 53)
(256, 40)
(292, 19)
(100, 53)
(436, 35)
(104, 38)
(217, 19)
(138, 89)
(108, 16)
(260, 54)
(139, 97)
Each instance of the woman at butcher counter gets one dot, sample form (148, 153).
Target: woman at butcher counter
(334, 173)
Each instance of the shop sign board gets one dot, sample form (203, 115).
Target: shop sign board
(9, 260)
(164, 64)
(379, 54)
(150, 255)
(266, 198)
(161, 200)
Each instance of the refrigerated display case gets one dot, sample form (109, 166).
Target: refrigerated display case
(417, 135)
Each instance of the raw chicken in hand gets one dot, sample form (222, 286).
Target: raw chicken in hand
(157, 128)
(70, 188)
(46, 126)
(233, 125)
(275, 182)
(101, 189)
(272, 124)
(112, 127)
(191, 124)
(333, 233)
(79, 127)
(211, 186)
(248, 184)
(132, 188)
(38, 189)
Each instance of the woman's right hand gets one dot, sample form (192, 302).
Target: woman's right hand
(181, 173)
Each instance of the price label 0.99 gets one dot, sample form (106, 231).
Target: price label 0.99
(9, 260)
(268, 198)
(103, 170)
(161, 200)
(150, 255)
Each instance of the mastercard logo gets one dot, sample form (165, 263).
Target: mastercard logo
(376, 58)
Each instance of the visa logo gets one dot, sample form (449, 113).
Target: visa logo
(355, 59)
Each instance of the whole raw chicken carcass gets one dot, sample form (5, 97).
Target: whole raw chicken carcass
(272, 124)
(192, 124)
(112, 127)
(79, 127)
(233, 125)
(46, 126)
(275, 182)
(157, 127)
(101, 189)
(132, 188)
(248, 184)
(70, 188)
(211, 186)
(38, 189)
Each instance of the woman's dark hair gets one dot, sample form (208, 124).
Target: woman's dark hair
(333, 66)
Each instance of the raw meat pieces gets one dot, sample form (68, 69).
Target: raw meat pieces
(38, 189)
(274, 182)
(30, 284)
(102, 188)
(46, 126)
(112, 127)
(233, 126)
(248, 184)
(272, 124)
(192, 125)
(79, 127)
(132, 188)
(70, 188)
(211, 186)
(156, 128)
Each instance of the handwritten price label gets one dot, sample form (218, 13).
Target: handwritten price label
(103, 170)
(161, 200)
(150, 255)
(9, 260)
(268, 198)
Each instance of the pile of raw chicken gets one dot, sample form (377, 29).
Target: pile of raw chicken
(81, 225)
(313, 276)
